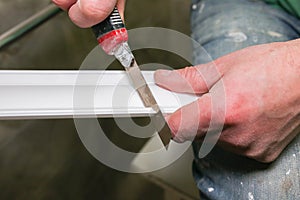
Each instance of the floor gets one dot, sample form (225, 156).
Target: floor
(45, 159)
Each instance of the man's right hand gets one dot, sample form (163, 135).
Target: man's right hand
(86, 13)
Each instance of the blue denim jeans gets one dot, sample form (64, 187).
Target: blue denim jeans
(221, 27)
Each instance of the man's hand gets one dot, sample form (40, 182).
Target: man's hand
(86, 13)
(262, 104)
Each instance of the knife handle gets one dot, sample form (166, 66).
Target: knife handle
(111, 32)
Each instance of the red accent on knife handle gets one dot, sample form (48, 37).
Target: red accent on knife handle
(111, 40)
(111, 32)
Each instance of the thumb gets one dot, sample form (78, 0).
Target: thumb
(191, 120)
(195, 80)
(86, 13)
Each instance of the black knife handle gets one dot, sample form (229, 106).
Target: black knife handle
(111, 32)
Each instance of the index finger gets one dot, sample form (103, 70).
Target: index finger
(64, 4)
(191, 120)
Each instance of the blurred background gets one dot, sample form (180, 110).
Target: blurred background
(45, 159)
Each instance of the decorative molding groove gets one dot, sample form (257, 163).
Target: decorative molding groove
(52, 94)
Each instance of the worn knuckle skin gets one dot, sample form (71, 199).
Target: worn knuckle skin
(256, 154)
(241, 144)
(195, 79)
(253, 155)
(267, 159)
(262, 156)
(264, 159)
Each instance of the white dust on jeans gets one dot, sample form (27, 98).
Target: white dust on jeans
(237, 36)
(250, 196)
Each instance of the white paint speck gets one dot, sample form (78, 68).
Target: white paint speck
(255, 38)
(202, 7)
(237, 36)
(210, 189)
(194, 6)
(242, 183)
(250, 196)
(288, 172)
(294, 155)
(218, 21)
(274, 34)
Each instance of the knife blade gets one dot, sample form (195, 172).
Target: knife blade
(112, 37)
(148, 100)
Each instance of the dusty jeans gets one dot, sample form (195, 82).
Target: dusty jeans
(224, 26)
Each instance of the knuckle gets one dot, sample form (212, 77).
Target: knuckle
(60, 3)
(241, 143)
(234, 108)
(90, 11)
(261, 155)
(244, 143)
(268, 158)
(253, 154)
(201, 86)
(194, 79)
